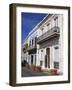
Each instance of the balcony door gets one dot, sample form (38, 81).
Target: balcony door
(47, 58)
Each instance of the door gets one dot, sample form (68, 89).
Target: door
(47, 58)
(31, 59)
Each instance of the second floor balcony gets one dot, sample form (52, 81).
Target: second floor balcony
(25, 48)
(33, 47)
(53, 32)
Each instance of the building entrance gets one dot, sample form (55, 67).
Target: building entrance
(47, 58)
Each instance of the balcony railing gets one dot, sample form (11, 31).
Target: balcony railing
(24, 50)
(55, 31)
(33, 47)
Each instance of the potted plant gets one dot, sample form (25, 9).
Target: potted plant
(54, 71)
(33, 67)
(38, 68)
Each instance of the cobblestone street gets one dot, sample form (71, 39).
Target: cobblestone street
(28, 73)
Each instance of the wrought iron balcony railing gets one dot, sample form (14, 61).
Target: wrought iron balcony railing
(55, 31)
(31, 47)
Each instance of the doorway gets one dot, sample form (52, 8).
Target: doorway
(31, 59)
(47, 58)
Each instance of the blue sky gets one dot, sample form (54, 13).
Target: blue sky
(28, 22)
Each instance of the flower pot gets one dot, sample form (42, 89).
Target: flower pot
(38, 68)
(33, 67)
(54, 71)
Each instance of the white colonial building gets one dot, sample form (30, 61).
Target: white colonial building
(45, 43)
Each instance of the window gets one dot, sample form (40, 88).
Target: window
(56, 57)
(32, 42)
(29, 43)
(41, 62)
(56, 47)
(41, 50)
(56, 65)
(42, 29)
(56, 21)
(35, 40)
(48, 25)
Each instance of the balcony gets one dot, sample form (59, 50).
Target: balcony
(53, 32)
(25, 48)
(31, 48)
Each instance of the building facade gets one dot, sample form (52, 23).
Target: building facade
(45, 43)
